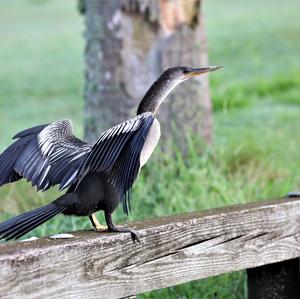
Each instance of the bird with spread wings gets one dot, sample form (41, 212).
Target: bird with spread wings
(95, 176)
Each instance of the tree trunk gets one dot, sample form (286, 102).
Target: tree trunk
(128, 44)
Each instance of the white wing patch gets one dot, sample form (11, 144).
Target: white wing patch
(150, 142)
(53, 134)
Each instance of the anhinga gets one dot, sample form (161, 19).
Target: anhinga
(97, 176)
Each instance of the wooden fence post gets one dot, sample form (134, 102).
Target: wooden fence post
(275, 281)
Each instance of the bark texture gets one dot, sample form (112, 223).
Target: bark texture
(128, 44)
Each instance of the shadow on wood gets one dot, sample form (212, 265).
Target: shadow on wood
(275, 281)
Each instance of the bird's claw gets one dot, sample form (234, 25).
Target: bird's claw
(135, 236)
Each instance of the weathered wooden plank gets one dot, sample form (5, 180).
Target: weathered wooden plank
(275, 281)
(173, 250)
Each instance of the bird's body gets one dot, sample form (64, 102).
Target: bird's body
(95, 192)
(95, 176)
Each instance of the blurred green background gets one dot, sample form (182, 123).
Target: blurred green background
(256, 101)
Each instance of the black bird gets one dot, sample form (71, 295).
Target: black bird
(97, 176)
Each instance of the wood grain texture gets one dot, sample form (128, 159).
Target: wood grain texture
(173, 250)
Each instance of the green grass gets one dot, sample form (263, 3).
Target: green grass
(256, 100)
(41, 63)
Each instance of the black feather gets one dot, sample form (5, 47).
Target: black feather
(126, 169)
(31, 131)
(21, 224)
(8, 159)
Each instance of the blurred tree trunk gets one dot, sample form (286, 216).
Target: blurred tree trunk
(128, 44)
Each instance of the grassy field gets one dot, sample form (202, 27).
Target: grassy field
(256, 101)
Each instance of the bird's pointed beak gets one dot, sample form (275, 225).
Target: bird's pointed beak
(202, 70)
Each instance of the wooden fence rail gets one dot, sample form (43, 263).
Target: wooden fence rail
(173, 250)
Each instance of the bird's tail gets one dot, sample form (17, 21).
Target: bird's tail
(20, 225)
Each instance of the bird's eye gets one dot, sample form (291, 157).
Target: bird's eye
(186, 70)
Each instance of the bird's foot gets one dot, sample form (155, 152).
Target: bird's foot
(121, 229)
(293, 194)
(96, 224)
(100, 228)
(134, 236)
(125, 229)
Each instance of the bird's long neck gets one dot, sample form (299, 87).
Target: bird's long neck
(156, 94)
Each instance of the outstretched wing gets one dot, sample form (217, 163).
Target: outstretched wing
(117, 151)
(46, 155)
(50, 154)
(9, 157)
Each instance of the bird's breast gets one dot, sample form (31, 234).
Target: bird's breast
(150, 142)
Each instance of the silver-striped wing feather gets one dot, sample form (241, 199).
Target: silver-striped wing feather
(45, 155)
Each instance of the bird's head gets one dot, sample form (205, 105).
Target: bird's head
(169, 79)
(179, 74)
